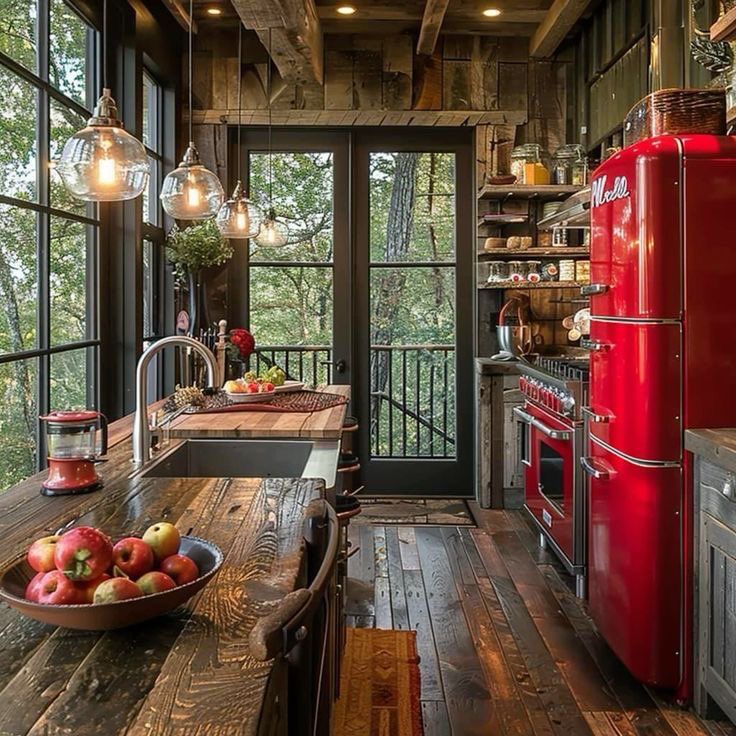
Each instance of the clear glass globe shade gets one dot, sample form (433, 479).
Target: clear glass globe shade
(273, 234)
(192, 192)
(103, 163)
(239, 218)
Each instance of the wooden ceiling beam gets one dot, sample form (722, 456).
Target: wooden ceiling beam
(296, 35)
(434, 14)
(560, 18)
(180, 14)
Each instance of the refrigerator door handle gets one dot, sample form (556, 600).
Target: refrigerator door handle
(593, 289)
(596, 418)
(595, 345)
(597, 469)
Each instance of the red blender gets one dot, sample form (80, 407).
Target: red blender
(73, 450)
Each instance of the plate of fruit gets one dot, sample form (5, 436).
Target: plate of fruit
(245, 391)
(82, 580)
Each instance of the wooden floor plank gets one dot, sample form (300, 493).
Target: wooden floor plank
(382, 604)
(435, 719)
(399, 612)
(418, 611)
(408, 547)
(359, 599)
(468, 700)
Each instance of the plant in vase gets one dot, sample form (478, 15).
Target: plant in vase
(239, 349)
(190, 250)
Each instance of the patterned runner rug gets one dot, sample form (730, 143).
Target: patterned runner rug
(379, 685)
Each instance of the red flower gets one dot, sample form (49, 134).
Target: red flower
(243, 341)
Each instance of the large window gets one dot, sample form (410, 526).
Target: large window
(48, 240)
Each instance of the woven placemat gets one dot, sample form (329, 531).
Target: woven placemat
(295, 401)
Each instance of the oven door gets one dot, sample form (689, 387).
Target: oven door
(549, 475)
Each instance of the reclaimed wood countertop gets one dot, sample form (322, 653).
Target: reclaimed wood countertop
(325, 424)
(184, 673)
(716, 445)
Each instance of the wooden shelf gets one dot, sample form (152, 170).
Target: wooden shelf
(724, 29)
(531, 285)
(559, 252)
(527, 191)
(502, 219)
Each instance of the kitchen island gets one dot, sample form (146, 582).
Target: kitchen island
(190, 671)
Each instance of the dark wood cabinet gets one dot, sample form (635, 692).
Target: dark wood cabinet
(715, 589)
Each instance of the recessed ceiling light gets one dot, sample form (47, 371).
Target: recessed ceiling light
(345, 9)
(214, 11)
(491, 12)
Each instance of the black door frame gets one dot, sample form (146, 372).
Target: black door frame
(424, 476)
(334, 141)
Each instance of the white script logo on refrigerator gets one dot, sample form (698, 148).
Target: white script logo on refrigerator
(599, 194)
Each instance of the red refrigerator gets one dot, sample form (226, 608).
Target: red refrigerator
(663, 359)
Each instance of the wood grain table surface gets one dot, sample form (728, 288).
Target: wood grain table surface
(716, 445)
(324, 424)
(184, 673)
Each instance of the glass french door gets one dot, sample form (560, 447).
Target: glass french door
(373, 288)
(294, 297)
(413, 311)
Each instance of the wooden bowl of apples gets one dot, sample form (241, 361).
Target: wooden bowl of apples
(81, 580)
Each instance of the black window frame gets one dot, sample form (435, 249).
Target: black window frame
(46, 93)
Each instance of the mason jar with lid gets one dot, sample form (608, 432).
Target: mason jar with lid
(518, 270)
(534, 272)
(498, 271)
(529, 153)
(570, 165)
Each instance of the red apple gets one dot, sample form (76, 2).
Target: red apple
(181, 568)
(87, 588)
(116, 589)
(33, 587)
(133, 556)
(268, 387)
(251, 388)
(55, 589)
(163, 538)
(41, 554)
(155, 582)
(83, 553)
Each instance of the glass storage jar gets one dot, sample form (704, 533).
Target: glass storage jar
(498, 271)
(534, 272)
(518, 270)
(529, 153)
(570, 165)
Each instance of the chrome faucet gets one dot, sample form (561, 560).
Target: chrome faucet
(141, 430)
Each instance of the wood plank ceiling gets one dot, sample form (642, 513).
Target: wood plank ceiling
(297, 27)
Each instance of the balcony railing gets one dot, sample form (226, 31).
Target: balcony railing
(412, 407)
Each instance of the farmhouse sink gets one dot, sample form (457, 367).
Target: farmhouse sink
(225, 458)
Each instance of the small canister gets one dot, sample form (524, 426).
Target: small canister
(550, 271)
(518, 270)
(567, 270)
(534, 273)
(582, 272)
(559, 237)
(498, 271)
(544, 239)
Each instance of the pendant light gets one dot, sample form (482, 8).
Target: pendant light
(191, 191)
(239, 217)
(103, 162)
(273, 233)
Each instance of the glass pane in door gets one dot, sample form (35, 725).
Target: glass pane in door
(412, 305)
(291, 287)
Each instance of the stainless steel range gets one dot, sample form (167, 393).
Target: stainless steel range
(556, 390)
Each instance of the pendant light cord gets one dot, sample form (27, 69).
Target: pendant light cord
(191, 21)
(240, 95)
(270, 147)
(104, 44)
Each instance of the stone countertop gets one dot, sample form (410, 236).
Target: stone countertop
(186, 672)
(716, 445)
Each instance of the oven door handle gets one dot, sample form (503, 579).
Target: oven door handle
(597, 469)
(553, 434)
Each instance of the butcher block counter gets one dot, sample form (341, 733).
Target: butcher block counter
(188, 672)
(325, 424)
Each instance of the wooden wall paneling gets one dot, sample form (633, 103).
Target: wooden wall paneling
(512, 85)
(547, 105)
(338, 74)
(456, 85)
(201, 79)
(211, 142)
(367, 73)
(396, 72)
(482, 151)
(513, 49)
(489, 53)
